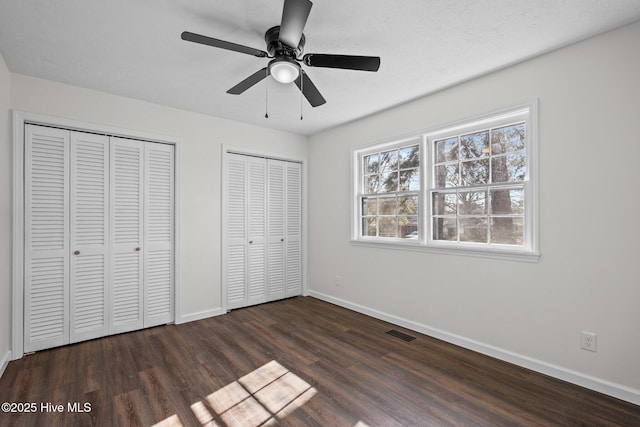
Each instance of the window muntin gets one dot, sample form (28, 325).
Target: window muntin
(388, 193)
(474, 189)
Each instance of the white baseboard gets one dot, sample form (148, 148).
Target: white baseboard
(199, 315)
(4, 361)
(597, 384)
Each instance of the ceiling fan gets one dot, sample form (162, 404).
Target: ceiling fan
(285, 44)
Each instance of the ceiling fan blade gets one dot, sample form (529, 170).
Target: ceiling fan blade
(347, 62)
(209, 41)
(249, 81)
(309, 90)
(294, 18)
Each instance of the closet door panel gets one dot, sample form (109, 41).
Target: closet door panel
(293, 232)
(126, 209)
(236, 231)
(158, 234)
(276, 230)
(89, 236)
(257, 223)
(46, 299)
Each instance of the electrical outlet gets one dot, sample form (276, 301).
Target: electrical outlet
(588, 341)
(338, 281)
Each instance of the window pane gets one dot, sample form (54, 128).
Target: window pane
(507, 230)
(387, 206)
(445, 203)
(388, 226)
(389, 182)
(517, 166)
(369, 206)
(369, 226)
(371, 184)
(446, 150)
(409, 157)
(473, 230)
(408, 205)
(408, 227)
(472, 202)
(446, 176)
(389, 160)
(475, 172)
(445, 229)
(474, 145)
(409, 180)
(371, 164)
(508, 139)
(510, 168)
(510, 201)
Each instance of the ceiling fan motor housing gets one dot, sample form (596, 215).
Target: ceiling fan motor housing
(278, 49)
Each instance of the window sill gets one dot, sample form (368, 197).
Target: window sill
(508, 255)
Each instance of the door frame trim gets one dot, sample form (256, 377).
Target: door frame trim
(20, 119)
(244, 151)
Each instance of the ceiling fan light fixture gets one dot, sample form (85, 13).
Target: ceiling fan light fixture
(284, 70)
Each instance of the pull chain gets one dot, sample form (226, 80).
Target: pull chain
(266, 95)
(301, 91)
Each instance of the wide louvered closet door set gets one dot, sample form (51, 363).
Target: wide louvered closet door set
(99, 215)
(263, 230)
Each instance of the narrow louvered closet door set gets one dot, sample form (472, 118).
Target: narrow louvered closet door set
(263, 230)
(98, 236)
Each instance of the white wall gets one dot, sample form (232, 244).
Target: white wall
(5, 217)
(201, 152)
(588, 277)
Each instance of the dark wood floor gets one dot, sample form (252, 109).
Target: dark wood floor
(294, 362)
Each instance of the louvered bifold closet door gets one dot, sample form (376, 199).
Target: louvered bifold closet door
(276, 221)
(89, 210)
(236, 235)
(262, 219)
(293, 229)
(158, 234)
(126, 209)
(46, 286)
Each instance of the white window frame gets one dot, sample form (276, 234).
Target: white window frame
(529, 252)
(403, 143)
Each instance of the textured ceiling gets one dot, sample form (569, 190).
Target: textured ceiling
(133, 48)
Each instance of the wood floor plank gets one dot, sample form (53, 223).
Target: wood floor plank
(119, 366)
(91, 363)
(337, 383)
(296, 362)
(100, 411)
(157, 393)
(282, 345)
(132, 409)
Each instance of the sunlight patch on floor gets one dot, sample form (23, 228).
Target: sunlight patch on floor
(172, 421)
(260, 398)
(203, 415)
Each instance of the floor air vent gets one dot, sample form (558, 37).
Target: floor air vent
(401, 335)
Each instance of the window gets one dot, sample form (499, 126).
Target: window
(464, 188)
(390, 187)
